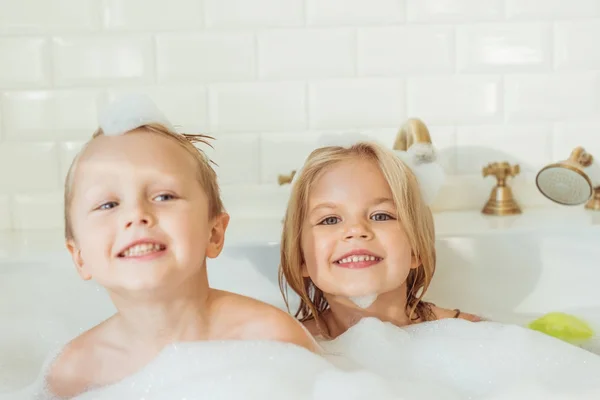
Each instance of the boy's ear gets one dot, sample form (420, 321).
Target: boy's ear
(217, 235)
(78, 260)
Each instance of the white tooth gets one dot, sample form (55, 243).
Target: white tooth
(354, 258)
(141, 249)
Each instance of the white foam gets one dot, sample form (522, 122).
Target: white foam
(450, 359)
(474, 359)
(130, 112)
(364, 301)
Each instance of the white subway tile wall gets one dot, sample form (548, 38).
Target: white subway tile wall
(496, 80)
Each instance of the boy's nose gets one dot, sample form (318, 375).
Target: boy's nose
(137, 221)
(139, 216)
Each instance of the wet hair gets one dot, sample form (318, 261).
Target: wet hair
(206, 175)
(413, 214)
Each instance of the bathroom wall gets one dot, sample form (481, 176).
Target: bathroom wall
(496, 80)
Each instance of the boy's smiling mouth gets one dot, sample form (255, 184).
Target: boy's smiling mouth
(141, 248)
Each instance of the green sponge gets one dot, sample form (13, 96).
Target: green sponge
(564, 327)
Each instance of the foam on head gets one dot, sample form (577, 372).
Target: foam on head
(413, 214)
(134, 112)
(130, 112)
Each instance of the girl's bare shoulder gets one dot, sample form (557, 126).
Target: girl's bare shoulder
(442, 313)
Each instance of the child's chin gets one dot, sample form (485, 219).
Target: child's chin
(136, 286)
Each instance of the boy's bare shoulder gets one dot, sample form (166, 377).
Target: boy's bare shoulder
(66, 377)
(256, 320)
(70, 374)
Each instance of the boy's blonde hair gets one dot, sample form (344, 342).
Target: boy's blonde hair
(412, 213)
(206, 175)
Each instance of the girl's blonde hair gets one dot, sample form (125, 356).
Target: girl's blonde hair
(207, 177)
(412, 213)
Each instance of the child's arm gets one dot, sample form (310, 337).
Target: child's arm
(442, 313)
(469, 317)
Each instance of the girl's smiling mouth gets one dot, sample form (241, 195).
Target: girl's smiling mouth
(359, 258)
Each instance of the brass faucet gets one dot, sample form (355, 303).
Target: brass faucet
(567, 182)
(286, 179)
(501, 200)
(413, 131)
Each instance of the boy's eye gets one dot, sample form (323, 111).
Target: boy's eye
(329, 221)
(164, 197)
(108, 205)
(381, 217)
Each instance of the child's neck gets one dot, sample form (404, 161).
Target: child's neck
(389, 307)
(182, 314)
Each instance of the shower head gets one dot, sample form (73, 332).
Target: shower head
(564, 184)
(570, 182)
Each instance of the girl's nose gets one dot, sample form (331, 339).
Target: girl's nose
(358, 231)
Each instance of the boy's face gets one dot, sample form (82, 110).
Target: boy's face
(139, 215)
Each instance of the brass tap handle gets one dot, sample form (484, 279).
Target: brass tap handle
(501, 170)
(581, 157)
(501, 200)
(285, 179)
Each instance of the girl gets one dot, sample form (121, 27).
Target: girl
(358, 241)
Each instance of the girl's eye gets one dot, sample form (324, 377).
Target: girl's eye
(108, 205)
(164, 197)
(381, 217)
(329, 221)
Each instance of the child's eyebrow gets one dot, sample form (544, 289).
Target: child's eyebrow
(323, 205)
(382, 200)
(378, 201)
(91, 192)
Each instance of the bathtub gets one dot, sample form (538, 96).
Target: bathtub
(500, 267)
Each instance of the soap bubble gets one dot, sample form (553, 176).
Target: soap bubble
(363, 301)
(451, 359)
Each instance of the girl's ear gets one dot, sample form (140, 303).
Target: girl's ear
(304, 270)
(415, 262)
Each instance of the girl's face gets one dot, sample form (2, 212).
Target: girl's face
(353, 244)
